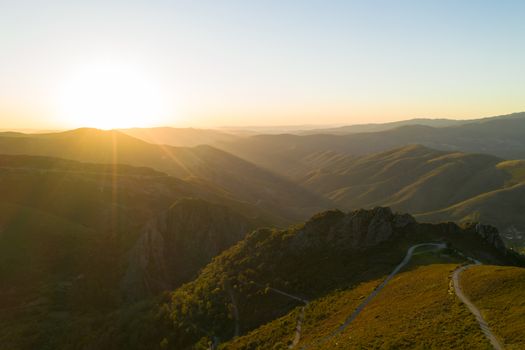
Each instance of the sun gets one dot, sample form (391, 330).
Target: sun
(110, 95)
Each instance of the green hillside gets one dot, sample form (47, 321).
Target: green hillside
(239, 291)
(421, 294)
(498, 293)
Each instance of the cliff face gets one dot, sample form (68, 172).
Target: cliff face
(178, 243)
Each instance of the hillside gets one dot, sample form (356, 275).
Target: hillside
(498, 291)
(80, 241)
(240, 290)
(436, 179)
(434, 185)
(421, 293)
(95, 210)
(503, 208)
(176, 244)
(204, 165)
(255, 289)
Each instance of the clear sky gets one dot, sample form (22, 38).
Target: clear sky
(215, 63)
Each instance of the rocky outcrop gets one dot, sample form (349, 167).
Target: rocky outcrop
(178, 243)
(491, 235)
(355, 230)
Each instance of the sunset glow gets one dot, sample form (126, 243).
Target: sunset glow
(110, 95)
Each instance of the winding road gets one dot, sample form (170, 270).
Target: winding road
(376, 291)
(473, 309)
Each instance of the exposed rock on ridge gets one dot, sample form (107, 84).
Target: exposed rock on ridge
(355, 230)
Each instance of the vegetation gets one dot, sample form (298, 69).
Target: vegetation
(109, 255)
(310, 261)
(498, 292)
(422, 293)
(67, 230)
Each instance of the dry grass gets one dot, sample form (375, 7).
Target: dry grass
(499, 294)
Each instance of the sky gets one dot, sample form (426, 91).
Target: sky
(230, 63)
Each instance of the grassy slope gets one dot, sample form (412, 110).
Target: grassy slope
(498, 292)
(204, 307)
(420, 293)
(416, 311)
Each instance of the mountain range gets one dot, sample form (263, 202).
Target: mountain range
(356, 237)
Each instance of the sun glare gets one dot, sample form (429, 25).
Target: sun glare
(108, 96)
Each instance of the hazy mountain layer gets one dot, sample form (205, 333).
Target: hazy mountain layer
(288, 154)
(179, 137)
(207, 166)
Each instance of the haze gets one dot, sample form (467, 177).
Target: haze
(210, 63)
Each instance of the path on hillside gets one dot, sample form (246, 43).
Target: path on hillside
(235, 308)
(300, 317)
(376, 291)
(473, 309)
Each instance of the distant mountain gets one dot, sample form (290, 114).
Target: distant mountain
(179, 137)
(206, 166)
(288, 154)
(359, 128)
(375, 127)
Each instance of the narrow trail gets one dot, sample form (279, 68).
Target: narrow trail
(298, 328)
(300, 317)
(376, 291)
(237, 328)
(472, 308)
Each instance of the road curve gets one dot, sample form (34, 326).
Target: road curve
(473, 309)
(376, 291)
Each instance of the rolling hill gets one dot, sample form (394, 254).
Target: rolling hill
(434, 185)
(288, 154)
(204, 165)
